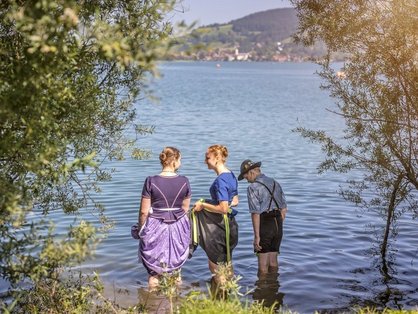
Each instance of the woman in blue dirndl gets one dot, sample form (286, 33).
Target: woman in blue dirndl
(218, 230)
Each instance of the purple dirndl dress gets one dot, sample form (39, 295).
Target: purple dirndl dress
(165, 236)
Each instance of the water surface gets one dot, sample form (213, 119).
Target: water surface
(326, 262)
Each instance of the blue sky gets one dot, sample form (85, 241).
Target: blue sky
(221, 11)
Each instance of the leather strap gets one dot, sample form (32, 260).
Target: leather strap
(271, 194)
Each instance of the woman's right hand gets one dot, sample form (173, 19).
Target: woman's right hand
(234, 201)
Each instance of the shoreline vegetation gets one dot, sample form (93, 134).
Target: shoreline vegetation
(226, 297)
(82, 293)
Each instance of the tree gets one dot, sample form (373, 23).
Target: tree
(70, 72)
(377, 95)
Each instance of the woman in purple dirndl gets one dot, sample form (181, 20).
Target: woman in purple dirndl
(164, 228)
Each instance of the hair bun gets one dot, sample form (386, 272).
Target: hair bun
(219, 150)
(169, 155)
(163, 156)
(224, 151)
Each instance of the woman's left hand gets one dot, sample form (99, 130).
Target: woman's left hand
(198, 206)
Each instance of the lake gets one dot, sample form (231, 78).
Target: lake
(326, 262)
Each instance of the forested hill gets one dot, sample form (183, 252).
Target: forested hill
(275, 25)
(264, 35)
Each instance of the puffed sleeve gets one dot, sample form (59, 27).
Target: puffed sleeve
(188, 191)
(146, 189)
(234, 191)
(222, 190)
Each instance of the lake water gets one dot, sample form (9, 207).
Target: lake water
(326, 260)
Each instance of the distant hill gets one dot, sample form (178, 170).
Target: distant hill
(271, 25)
(264, 35)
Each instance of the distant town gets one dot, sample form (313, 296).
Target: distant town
(262, 36)
(228, 54)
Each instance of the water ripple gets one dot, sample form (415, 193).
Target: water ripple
(325, 261)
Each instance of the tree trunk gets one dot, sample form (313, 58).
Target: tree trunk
(389, 218)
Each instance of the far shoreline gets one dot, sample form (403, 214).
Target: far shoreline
(248, 61)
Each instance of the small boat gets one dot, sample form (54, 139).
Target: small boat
(341, 74)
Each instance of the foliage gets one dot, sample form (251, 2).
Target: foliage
(377, 95)
(70, 292)
(67, 295)
(70, 72)
(168, 286)
(224, 298)
(226, 281)
(196, 303)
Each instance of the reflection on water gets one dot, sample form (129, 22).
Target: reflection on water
(155, 302)
(267, 289)
(387, 290)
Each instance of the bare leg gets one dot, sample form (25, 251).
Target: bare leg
(267, 262)
(273, 265)
(273, 259)
(179, 281)
(219, 279)
(212, 267)
(263, 263)
(153, 282)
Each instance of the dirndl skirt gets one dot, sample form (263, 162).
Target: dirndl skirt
(164, 241)
(212, 234)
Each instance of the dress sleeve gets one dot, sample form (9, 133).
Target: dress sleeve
(188, 191)
(235, 191)
(221, 187)
(146, 189)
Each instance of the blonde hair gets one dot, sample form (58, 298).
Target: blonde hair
(219, 150)
(169, 155)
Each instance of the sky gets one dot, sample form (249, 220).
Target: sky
(207, 12)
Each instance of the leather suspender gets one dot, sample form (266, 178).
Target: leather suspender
(271, 194)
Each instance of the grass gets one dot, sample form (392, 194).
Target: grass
(83, 294)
